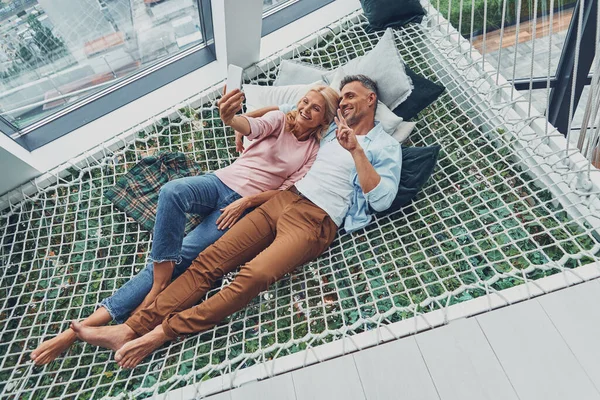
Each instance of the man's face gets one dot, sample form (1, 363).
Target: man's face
(357, 102)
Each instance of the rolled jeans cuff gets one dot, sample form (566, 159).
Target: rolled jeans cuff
(107, 305)
(175, 259)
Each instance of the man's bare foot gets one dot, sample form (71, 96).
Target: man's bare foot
(132, 353)
(109, 337)
(50, 349)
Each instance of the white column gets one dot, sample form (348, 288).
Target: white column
(16, 165)
(237, 28)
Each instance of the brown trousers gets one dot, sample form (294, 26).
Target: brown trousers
(285, 232)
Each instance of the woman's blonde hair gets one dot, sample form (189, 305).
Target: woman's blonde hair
(332, 99)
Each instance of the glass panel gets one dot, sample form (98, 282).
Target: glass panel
(56, 52)
(270, 5)
(536, 46)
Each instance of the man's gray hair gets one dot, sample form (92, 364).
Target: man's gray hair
(364, 80)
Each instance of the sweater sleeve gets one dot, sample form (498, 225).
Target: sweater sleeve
(269, 124)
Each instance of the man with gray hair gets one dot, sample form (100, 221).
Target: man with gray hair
(360, 171)
(357, 170)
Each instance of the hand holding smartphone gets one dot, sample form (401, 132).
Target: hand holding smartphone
(231, 103)
(234, 78)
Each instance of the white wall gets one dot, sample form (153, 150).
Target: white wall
(14, 171)
(15, 164)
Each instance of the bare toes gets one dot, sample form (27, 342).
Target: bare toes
(124, 363)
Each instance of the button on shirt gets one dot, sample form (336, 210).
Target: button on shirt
(382, 151)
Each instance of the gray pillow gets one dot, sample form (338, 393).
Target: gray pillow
(297, 73)
(384, 65)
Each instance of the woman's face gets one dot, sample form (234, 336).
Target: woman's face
(311, 112)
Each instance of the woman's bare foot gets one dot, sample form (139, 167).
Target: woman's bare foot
(50, 349)
(132, 353)
(109, 337)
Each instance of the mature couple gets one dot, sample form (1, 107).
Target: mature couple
(306, 175)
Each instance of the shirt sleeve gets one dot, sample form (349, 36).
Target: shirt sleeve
(296, 176)
(261, 127)
(387, 163)
(286, 108)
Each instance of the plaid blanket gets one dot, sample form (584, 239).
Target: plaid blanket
(136, 193)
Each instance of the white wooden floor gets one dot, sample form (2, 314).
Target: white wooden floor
(542, 349)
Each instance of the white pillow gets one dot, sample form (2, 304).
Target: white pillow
(390, 121)
(384, 65)
(263, 96)
(404, 130)
(296, 73)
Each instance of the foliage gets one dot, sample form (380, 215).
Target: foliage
(48, 44)
(26, 55)
(475, 10)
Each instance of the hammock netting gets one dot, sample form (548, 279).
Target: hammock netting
(482, 224)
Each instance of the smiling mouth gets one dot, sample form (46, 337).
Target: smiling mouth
(304, 116)
(346, 112)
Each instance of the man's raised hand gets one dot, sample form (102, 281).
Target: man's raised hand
(230, 104)
(345, 135)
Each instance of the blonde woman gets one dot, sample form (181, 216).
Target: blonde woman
(283, 147)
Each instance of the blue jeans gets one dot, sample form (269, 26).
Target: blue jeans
(204, 195)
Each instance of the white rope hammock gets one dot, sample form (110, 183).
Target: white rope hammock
(486, 221)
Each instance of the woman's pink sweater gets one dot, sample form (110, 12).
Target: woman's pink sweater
(274, 159)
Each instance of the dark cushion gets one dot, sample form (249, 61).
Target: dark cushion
(424, 93)
(418, 164)
(392, 13)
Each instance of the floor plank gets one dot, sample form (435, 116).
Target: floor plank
(576, 315)
(332, 380)
(220, 396)
(463, 364)
(561, 22)
(393, 368)
(279, 387)
(534, 356)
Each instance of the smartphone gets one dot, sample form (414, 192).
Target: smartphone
(234, 78)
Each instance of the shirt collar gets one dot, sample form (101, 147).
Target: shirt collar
(376, 131)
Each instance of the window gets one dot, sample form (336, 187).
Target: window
(278, 13)
(57, 56)
(270, 6)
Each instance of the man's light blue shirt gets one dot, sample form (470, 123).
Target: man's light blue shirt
(385, 154)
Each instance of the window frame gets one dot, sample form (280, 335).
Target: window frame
(99, 104)
(279, 17)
